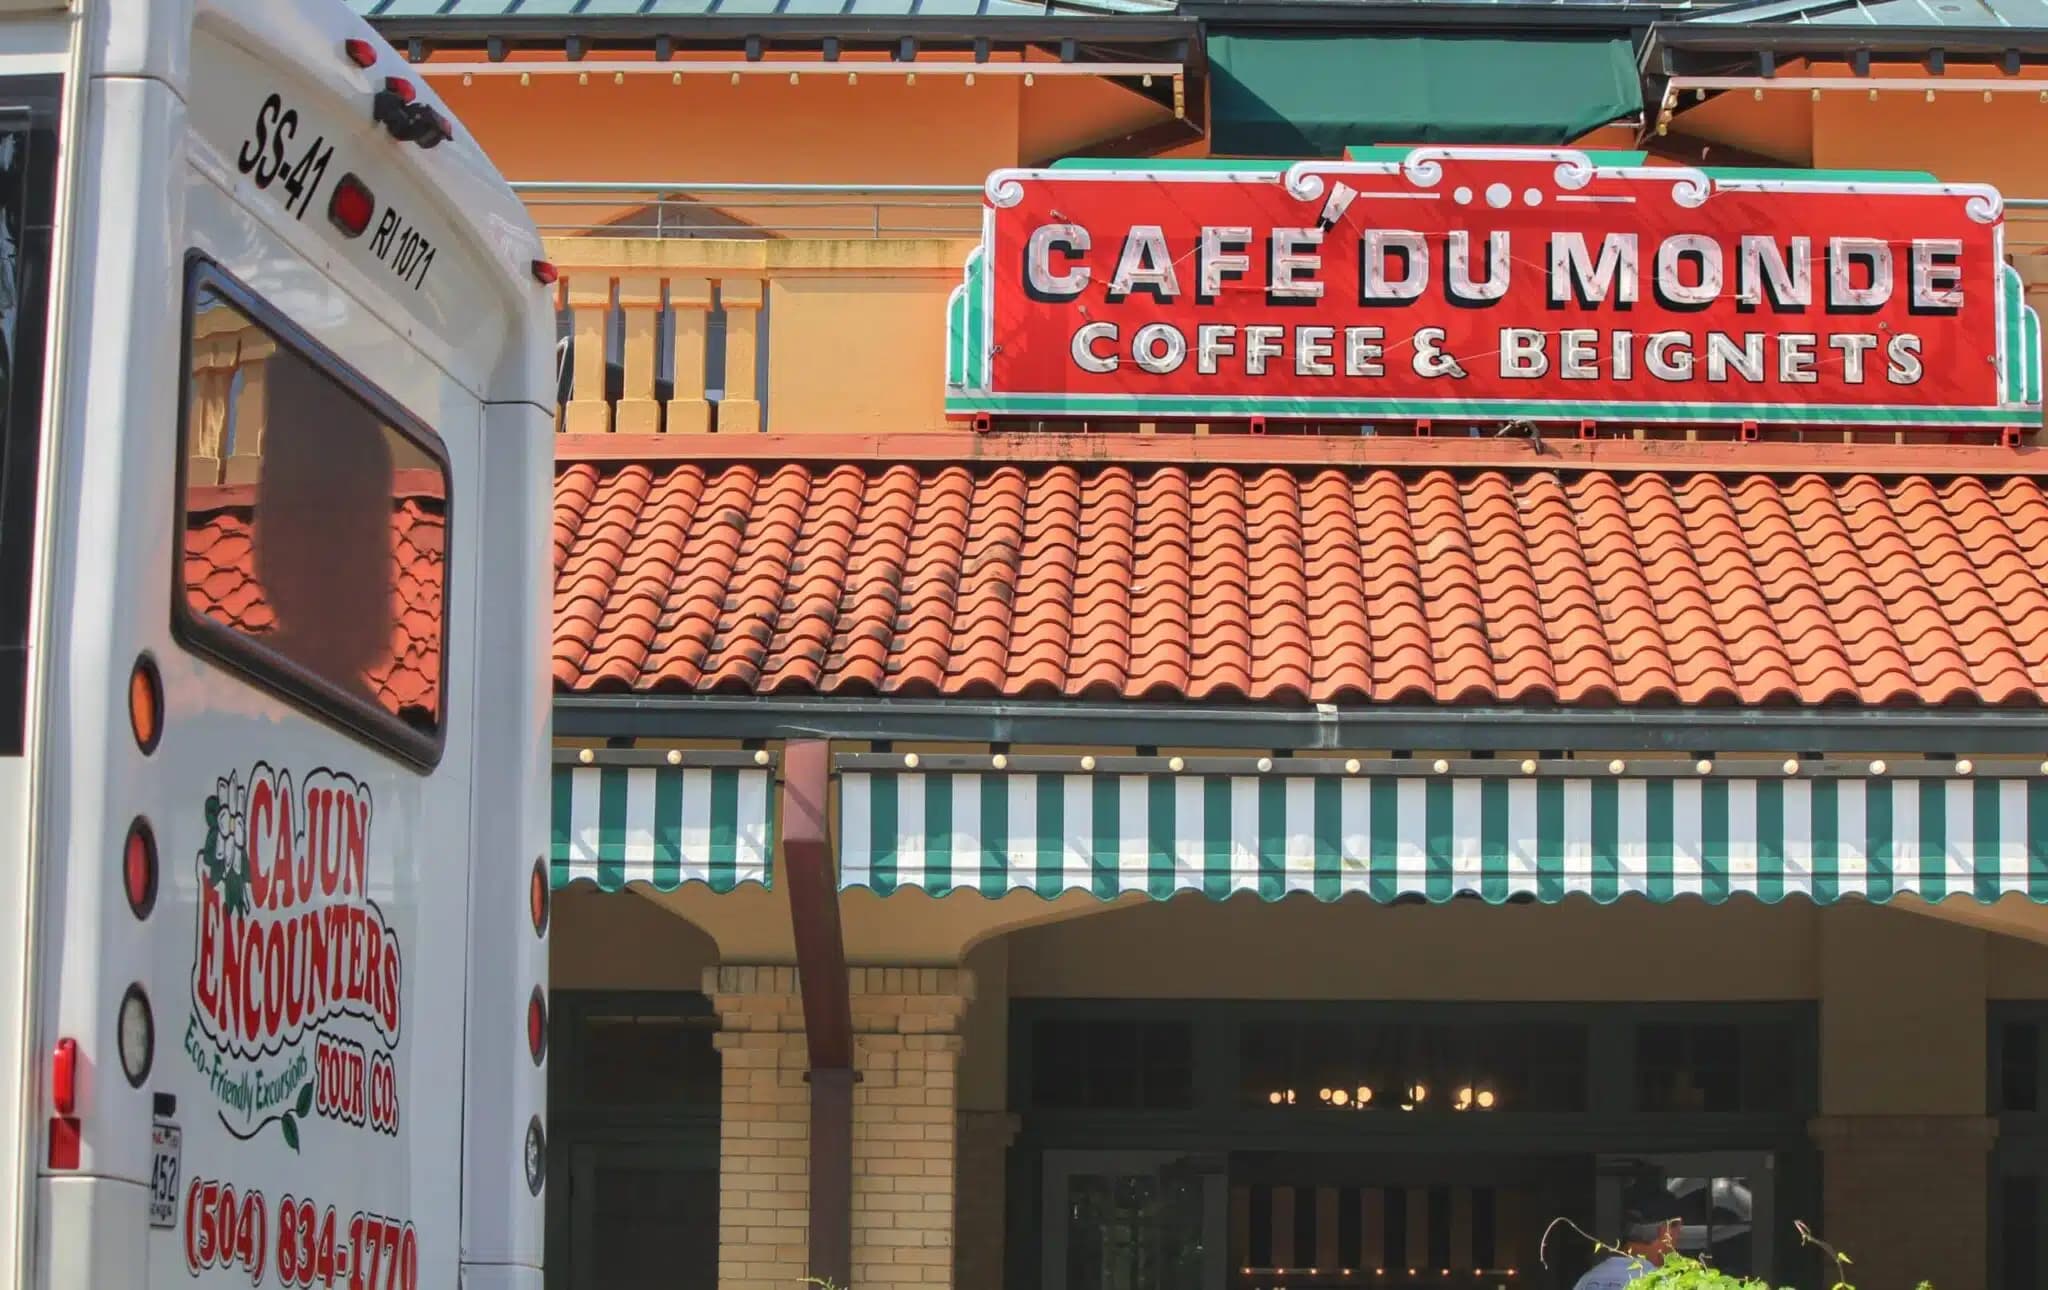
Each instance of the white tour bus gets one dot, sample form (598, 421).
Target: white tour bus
(275, 413)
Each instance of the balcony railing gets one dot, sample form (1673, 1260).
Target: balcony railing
(662, 211)
(677, 325)
(736, 336)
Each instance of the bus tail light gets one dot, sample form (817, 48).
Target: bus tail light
(138, 868)
(537, 1026)
(146, 704)
(352, 206)
(360, 52)
(537, 897)
(64, 1126)
(401, 89)
(64, 1076)
(545, 273)
(64, 1136)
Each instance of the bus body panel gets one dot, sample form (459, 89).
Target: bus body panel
(503, 1211)
(272, 131)
(90, 769)
(364, 1106)
(85, 1232)
(142, 38)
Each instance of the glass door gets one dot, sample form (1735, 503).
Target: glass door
(1133, 1221)
(1726, 1201)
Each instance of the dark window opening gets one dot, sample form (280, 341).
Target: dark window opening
(2019, 1067)
(312, 550)
(649, 1060)
(28, 156)
(1112, 1065)
(1715, 1068)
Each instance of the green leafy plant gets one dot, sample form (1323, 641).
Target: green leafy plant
(1678, 1272)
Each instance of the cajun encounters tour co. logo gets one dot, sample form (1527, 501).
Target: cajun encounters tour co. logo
(296, 973)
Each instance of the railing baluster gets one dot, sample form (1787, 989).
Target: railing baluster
(213, 380)
(252, 363)
(640, 301)
(590, 298)
(690, 298)
(741, 409)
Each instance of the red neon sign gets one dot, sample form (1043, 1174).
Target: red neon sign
(1492, 284)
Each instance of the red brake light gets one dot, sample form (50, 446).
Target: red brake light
(546, 273)
(64, 1076)
(360, 52)
(138, 868)
(404, 89)
(537, 1026)
(352, 206)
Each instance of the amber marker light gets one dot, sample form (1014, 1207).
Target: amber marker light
(146, 704)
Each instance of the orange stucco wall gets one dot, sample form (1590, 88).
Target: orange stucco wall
(823, 129)
(1956, 135)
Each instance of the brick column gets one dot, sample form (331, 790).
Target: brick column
(764, 1129)
(1905, 1197)
(980, 1188)
(906, 1025)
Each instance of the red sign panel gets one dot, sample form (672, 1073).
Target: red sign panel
(1491, 284)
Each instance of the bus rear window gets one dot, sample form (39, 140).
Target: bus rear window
(313, 542)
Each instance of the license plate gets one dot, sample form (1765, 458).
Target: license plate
(165, 1141)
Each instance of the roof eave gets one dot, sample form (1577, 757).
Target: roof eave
(1669, 41)
(1424, 15)
(645, 32)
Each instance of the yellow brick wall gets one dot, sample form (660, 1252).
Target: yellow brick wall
(764, 1129)
(906, 1025)
(907, 1052)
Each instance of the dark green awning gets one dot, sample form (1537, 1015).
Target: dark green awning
(1311, 96)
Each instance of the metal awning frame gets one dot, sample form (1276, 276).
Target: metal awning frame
(1713, 732)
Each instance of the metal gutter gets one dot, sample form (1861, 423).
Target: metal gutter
(1801, 37)
(1558, 450)
(1374, 17)
(1972, 732)
(680, 33)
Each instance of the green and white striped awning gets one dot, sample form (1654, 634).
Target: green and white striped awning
(663, 825)
(1438, 836)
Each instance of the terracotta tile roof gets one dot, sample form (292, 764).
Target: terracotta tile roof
(219, 578)
(1293, 586)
